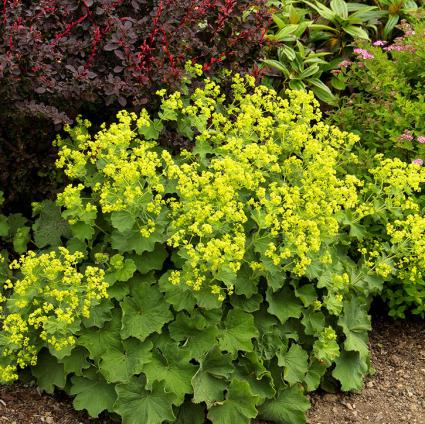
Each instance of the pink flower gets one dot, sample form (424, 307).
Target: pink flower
(419, 162)
(406, 136)
(379, 43)
(364, 54)
(345, 64)
(421, 139)
(395, 47)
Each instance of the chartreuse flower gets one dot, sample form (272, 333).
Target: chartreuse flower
(50, 297)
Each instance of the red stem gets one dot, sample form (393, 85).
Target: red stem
(70, 26)
(5, 12)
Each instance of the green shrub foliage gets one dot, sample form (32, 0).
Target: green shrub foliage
(388, 91)
(238, 274)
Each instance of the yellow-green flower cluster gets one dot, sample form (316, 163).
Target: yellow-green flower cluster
(258, 159)
(398, 180)
(394, 193)
(78, 209)
(127, 173)
(265, 185)
(74, 160)
(270, 164)
(49, 299)
(408, 238)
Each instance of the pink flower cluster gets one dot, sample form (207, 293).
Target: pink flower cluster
(379, 43)
(364, 54)
(396, 48)
(406, 136)
(345, 64)
(419, 162)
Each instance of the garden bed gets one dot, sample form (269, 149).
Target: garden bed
(395, 394)
(211, 251)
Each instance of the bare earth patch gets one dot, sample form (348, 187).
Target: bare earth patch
(395, 394)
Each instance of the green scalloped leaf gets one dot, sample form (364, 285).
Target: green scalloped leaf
(326, 350)
(314, 375)
(122, 220)
(76, 362)
(212, 377)
(124, 273)
(283, 304)
(50, 227)
(238, 407)
(289, 407)
(355, 323)
(21, 239)
(94, 395)
(137, 405)
(249, 305)
(99, 340)
(132, 240)
(251, 368)
(151, 261)
(119, 365)
(4, 226)
(181, 296)
(245, 283)
(313, 322)
(195, 332)
(350, 370)
(190, 413)
(238, 331)
(307, 294)
(82, 231)
(295, 363)
(99, 314)
(48, 372)
(173, 367)
(152, 131)
(144, 311)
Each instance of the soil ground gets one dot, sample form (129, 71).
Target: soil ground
(394, 395)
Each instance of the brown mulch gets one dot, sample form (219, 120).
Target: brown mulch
(27, 405)
(395, 394)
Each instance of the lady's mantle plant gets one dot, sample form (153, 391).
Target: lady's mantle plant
(238, 273)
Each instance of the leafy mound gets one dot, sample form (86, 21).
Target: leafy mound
(388, 85)
(239, 274)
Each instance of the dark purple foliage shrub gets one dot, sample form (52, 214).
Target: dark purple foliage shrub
(62, 58)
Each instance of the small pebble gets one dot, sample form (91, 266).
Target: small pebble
(347, 405)
(330, 398)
